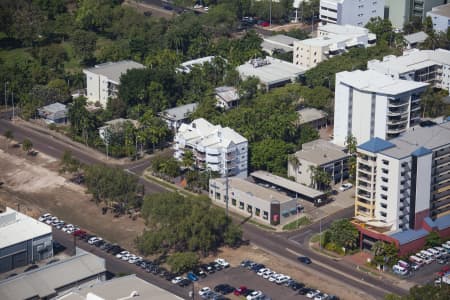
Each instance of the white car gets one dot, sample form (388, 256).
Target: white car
(126, 257)
(321, 296)
(267, 274)
(282, 279)
(51, 220)
(72, 230)
(312, 294)
(119, 255)
(254, 295)
(203, 290)
(67, 227)
(177, 280)
(273, 277)
(261, 271)
(134, 259)
(222, 262)
(345, 186)
(44, 217)
(94, 239)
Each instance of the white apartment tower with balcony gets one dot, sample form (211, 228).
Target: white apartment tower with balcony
(401, 182)
(216, 148)
(370, 104)
(351, 12)
(102, 81)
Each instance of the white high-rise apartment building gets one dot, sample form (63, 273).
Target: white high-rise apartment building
(402, 181)
(102, 81)
(352, 12)
(216, 148)
(370, 104)
(431, 66)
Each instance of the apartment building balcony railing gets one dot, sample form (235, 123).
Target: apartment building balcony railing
(364, 194)
(397, 112)
(441, 161)
(395, 103)
(440, 204)
(230, 156)
(440, 178)
(440, 195)
(395, 129)
(442, 152)
(442, 169)
(364, 176)
(397, 121)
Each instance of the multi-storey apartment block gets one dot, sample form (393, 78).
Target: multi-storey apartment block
(102, 81)
(432, 66)
(215, 148)
(352, 12)
(370, 104)
(403, 185)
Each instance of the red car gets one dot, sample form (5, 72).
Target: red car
(240, 291)
(265, 24)
(79, 232)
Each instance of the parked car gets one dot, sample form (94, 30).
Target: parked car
(245, 263)
(222, 262)
(191, 276)
(321, 296)
(254, 295)
(94, 239)
(240, 291)
(304, 290)
(312, 293)
(304, 259)
(262, 271)
(44, 217)
(177, 279)
(50, 219)
(200, 273)
(184, 282)
(345, 186)
(224, 289)
(123, 253)
(79, 232)
(204, 290)
(296, 286)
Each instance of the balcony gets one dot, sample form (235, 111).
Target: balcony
(230, 156)
(364, 176)
(397, 112)
(364, 194)
(442, 152)
(398, 103)
(395, 121)
(395, 129)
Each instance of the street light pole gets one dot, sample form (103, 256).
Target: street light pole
(270, 14)
(6, 97)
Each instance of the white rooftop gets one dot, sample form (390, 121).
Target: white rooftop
(321, 152)
(310, 114)
(16, 227)
(270, 70)
(323, 41)
(46, 280)
(53, 108)
(410, 61)
(442, 10)
(203, 133)
(371, 81)
(126, 287)
(180, 112)
(113, 70)
(187, 65)
(343, 29)
(417, 37)
(227, 93)
(278, 41)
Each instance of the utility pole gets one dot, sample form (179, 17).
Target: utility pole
(270, 14)
(320, 234)
(6, 97)
(12, 97)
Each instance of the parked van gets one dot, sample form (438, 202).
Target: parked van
(435, 252)
(446, 247)
(399, 270)
(416, 260)
(403, 264)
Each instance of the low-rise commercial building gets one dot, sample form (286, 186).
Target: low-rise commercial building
(176, 116)
(331, 40)
(227, 97)
(54, 113)
(187, 66)
(247, 198)
(370, 104)
(49, 281)
(270, 71)
(414, 40)
(402, 186)
(23, 240)
(319, 154)
(440, 15)
(215, 148)
(125, 287)
(102, 81)
(431, 66)
(313, 117)
(352, 12)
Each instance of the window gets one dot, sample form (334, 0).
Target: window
(384, 197)
(383, 205)
(217, 196)
(257, 212)
(265, 215)
(385, 162)
(384, 188)
(385, 171)
(249, 208)
(383, 214)
(233, 201)
(361, 6)
(241, 205)
(384, 179)
(212, 193)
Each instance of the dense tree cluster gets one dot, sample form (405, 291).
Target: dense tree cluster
(182, 224)
(428, 291)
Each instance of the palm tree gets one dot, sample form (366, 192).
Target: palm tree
(9, 136)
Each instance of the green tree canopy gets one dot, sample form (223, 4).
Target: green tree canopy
(344, 234)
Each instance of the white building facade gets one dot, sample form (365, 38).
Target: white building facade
(352, 12)
(331, 40)
(370, 104)
(440, 15)
(217, 148)
(405, 180)
(431, 66)
(102, 81)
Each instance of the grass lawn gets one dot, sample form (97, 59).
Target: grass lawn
(303, 221)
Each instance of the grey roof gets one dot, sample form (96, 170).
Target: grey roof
(44, 281)
(430, 138)
(442, 10)
(270, 70)
(252, 189)
(287, 184)
(418, 37)
(180, 112)
(53, 108)
(113, 70)
(227, 93)
(405, 237)
(311, 114)
(126, 287)
(53, 111)
(278, 41)
(321, 152)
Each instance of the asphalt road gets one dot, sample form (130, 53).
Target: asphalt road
(287, 245)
